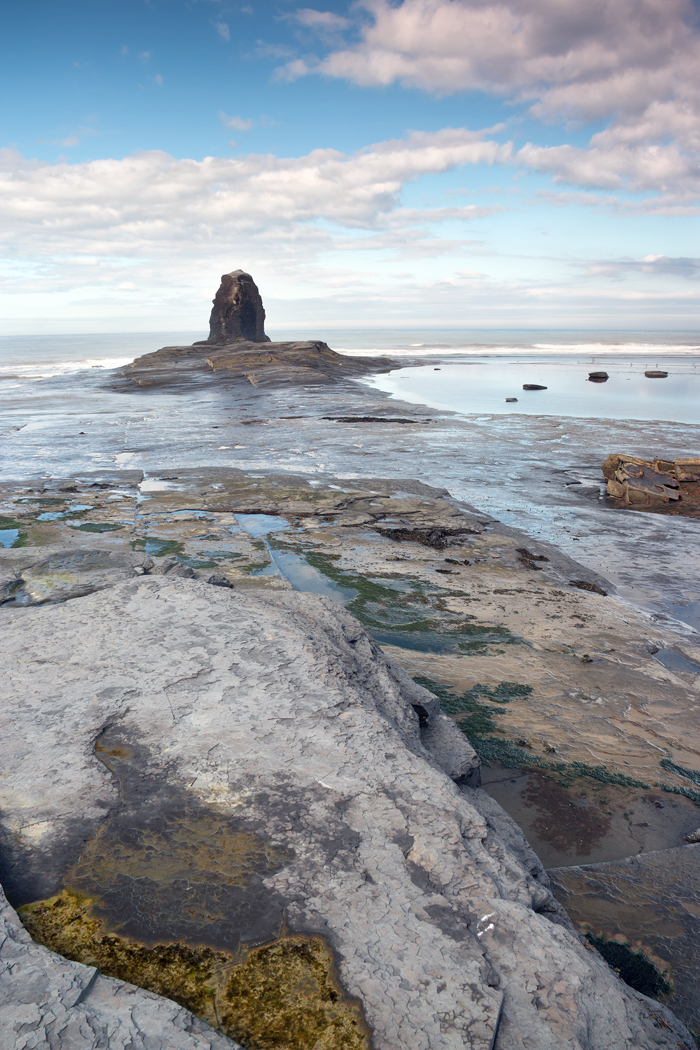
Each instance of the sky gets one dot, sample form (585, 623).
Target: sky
(454, 163)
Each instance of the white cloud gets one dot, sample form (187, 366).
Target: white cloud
(653, 265)
(158, 80)
(72, 140)
(602, 53)
(145, 203)
(307, 16)
(223, 30)
(321, 21)
(631, 62)
(235, 123)
(158, 232)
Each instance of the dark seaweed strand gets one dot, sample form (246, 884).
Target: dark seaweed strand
(634, 968)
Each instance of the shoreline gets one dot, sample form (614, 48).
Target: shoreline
(540, 474)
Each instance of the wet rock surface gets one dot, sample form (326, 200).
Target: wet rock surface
(453, 596)
(254, 363)
(649, 904)
(662, 486)
(272, 740)
(35, 575)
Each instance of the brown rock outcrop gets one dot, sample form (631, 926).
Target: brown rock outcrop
(238, 315)
(669, 486)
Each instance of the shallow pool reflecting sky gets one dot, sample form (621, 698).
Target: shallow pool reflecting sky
(481, 386)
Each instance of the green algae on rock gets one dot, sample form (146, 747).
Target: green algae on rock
(282, 996)
(286, 996)
(64, 924)
(475, 720)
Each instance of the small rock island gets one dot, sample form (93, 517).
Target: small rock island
(239, 350)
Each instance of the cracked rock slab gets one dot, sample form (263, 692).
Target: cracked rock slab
(275, 720)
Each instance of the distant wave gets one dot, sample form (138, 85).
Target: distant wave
(522, 349)
(47, 369)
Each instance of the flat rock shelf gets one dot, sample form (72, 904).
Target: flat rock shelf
(226, 769)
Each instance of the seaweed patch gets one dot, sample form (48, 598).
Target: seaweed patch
(282, 995)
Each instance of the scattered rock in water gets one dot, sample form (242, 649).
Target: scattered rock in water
(598, 377)
(654, 373)
(533, 386)
(511, 399)
(666, 486)
(693, 836)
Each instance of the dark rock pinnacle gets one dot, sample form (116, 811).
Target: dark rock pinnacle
(238, 315)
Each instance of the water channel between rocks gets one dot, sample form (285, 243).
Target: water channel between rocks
(608, 822)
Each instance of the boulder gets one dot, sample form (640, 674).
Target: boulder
(238, 314)
(206, 767)
(670, 486)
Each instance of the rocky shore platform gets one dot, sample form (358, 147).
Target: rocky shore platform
(246, 722)
(287, 757)
(258, 364)
(238, 350)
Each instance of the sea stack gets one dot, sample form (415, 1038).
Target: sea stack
(238, 315)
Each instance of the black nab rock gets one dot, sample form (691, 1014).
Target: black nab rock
(238, 315)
